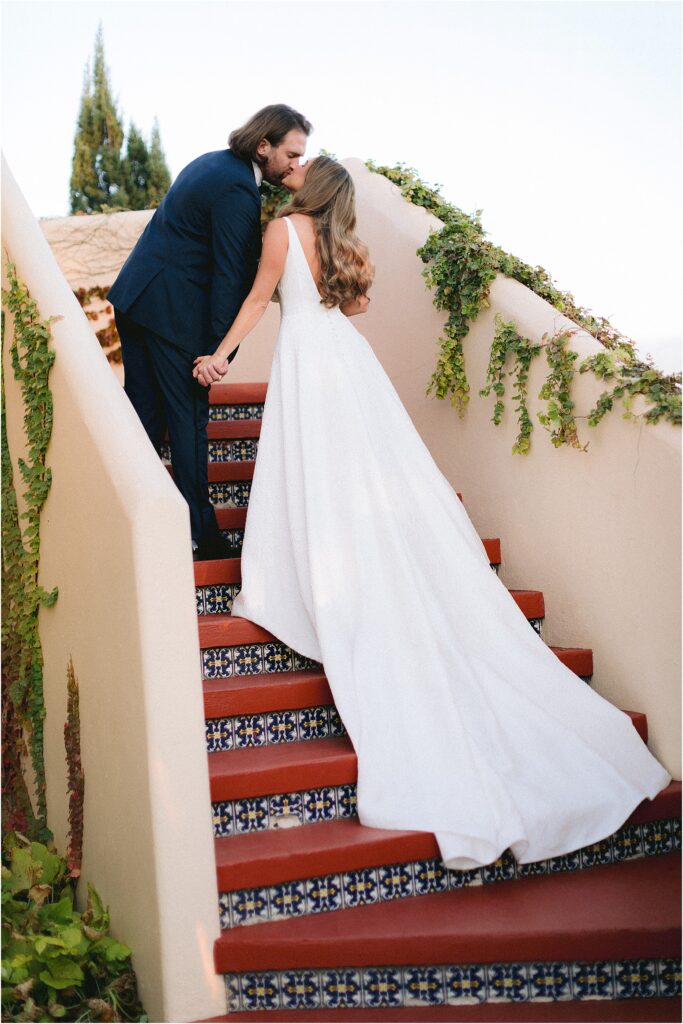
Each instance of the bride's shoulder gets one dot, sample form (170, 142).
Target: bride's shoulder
(276, 228)
(275, 238)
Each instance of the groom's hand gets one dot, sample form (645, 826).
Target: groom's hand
(208, 369)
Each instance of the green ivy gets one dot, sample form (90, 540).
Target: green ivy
(559, 418)
(507, 342)
(462, 265)
(58, 964)
(22, 680)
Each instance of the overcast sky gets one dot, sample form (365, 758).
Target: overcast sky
(560, 119)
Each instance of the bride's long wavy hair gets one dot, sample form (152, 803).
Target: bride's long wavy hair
(329, 197)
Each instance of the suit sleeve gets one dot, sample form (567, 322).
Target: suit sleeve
(235, 231)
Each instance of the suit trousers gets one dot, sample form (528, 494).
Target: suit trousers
(165, 395)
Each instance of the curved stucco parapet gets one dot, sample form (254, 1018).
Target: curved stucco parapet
(115, 539)
(597, 531)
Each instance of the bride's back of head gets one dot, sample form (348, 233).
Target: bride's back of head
(328, 196)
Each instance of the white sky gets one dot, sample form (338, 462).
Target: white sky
(560, 119)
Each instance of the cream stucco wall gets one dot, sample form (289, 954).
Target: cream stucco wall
(598, 531)
(115, 539)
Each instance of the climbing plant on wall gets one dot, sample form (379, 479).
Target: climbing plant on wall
(22, 597)
(461, 266)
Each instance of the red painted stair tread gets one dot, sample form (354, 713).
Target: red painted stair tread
(257, 771)
(220, 471)
(280, 855)
(247, 393)
(218, 430)
(268, 691)
(231, 518)
(570, 1010)
(613, 911)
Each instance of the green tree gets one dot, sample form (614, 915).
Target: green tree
(98, 176)
(159, 180)
(137, 170)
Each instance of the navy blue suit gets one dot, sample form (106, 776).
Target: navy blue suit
(175, 298)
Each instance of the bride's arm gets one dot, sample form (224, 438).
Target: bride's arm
(274, 252)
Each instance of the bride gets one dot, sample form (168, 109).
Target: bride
(359, 554)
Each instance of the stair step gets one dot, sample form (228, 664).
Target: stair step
(262, 771)
(278, 767)
(230, 630)
(612, 912)
(270, 691)
(275, 856)
(307, 719)
(227, 471)
(525, 1012)
(247, 393)
(227, 570)
(220, 430)
(282, 691)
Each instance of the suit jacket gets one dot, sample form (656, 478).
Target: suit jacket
(196, 260)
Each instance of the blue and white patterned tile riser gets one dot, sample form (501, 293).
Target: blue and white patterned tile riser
(283, 810)
(219, 413)
(252, 659)
(452, 984)
(419, 878)
(230, 493)
(270, 727)
(225, 450)
(217, 599)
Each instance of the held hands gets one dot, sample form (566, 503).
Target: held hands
(208, 369)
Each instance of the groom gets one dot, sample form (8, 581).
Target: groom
(181, 287)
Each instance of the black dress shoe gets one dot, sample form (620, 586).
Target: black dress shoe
(216, 548)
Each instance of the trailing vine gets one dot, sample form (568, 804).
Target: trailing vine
(559, 418)
(75, 776)
(462, 265)
(22, 680)
(507, 341)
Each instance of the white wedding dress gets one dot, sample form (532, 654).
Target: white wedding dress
(358, 553)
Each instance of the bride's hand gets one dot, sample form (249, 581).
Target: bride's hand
(208, 369)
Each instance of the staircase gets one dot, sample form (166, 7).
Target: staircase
(364, 924)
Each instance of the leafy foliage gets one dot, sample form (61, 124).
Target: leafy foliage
(461, 266)
(58, 964)
(507, 342)
(273, 197)
(22, 677)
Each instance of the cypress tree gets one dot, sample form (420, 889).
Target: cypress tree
(159, 180)
(98, 175)
(137, 170)
(85, 192)
(101, 178)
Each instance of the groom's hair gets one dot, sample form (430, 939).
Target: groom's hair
(271, 123)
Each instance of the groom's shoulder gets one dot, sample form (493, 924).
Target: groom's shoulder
(222, 164)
